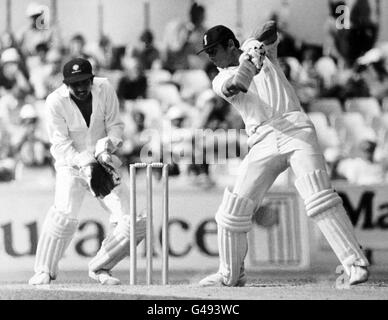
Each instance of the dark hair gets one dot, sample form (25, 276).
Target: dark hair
(42, 46)
(78, 37)
(196, 10)
(380, 69)
(225, 42)
(147, 36)
(104, 41)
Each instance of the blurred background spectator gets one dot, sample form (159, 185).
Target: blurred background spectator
(13, 79)
(146, 51)
(77, 47)
(288, 45)
(38, 30)
(133, 83)
(163, 85)
(182, 41)
(363, 169)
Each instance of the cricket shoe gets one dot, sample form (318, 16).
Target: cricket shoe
(268, 34)
(104, 277)
(358, 274)
(40, 278)
(217, 280)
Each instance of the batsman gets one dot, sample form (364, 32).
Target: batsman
(281, 135)
(85, 132)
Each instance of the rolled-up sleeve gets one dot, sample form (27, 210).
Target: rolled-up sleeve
(62, 148)
(113, 122)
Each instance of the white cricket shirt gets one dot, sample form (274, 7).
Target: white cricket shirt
(269, 96)
(68, 132)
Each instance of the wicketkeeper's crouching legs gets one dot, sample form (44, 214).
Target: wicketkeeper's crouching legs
(61, 224)
(325, 207)
(234, 220)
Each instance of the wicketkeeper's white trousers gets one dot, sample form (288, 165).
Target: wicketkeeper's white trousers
(61, 223)
(70, 190)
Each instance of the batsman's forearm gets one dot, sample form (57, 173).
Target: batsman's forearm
(230, 87)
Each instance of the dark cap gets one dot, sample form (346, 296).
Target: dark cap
(77, 69)
(216, 35)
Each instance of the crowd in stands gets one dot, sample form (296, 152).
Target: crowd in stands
(343, 85)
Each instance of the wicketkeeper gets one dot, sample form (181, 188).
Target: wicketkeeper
(85, 131)
(280, 136)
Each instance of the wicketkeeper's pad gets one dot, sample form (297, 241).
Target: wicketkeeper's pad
(116, 246)
(58, 230)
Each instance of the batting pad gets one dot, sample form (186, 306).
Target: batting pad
(325, 207)
(57, 233)
(234, 220)
(116, 246)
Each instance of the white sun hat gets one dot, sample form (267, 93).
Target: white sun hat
(34, 9)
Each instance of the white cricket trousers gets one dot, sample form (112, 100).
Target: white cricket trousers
(70, 190)
(289, 141)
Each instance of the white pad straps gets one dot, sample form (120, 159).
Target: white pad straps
(57, 233)
(116, 246)
(313, 183)
(317, 193)
(234, 213)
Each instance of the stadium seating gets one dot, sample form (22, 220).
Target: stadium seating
(295, 66)
(352, 129)
(150, 108)
(113, 76)
(327, 136)
(192, 82)
(157, 76)
(385, 104)
(369, 108)
(327, 70)
(167, 94)
(381, 127)
(330, 107)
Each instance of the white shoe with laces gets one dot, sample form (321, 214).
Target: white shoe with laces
(358, 274)
(217, 280)
(40, 278)
(104, 277)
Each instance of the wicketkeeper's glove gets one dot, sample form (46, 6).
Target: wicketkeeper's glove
(111, 164)
(100, 179)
